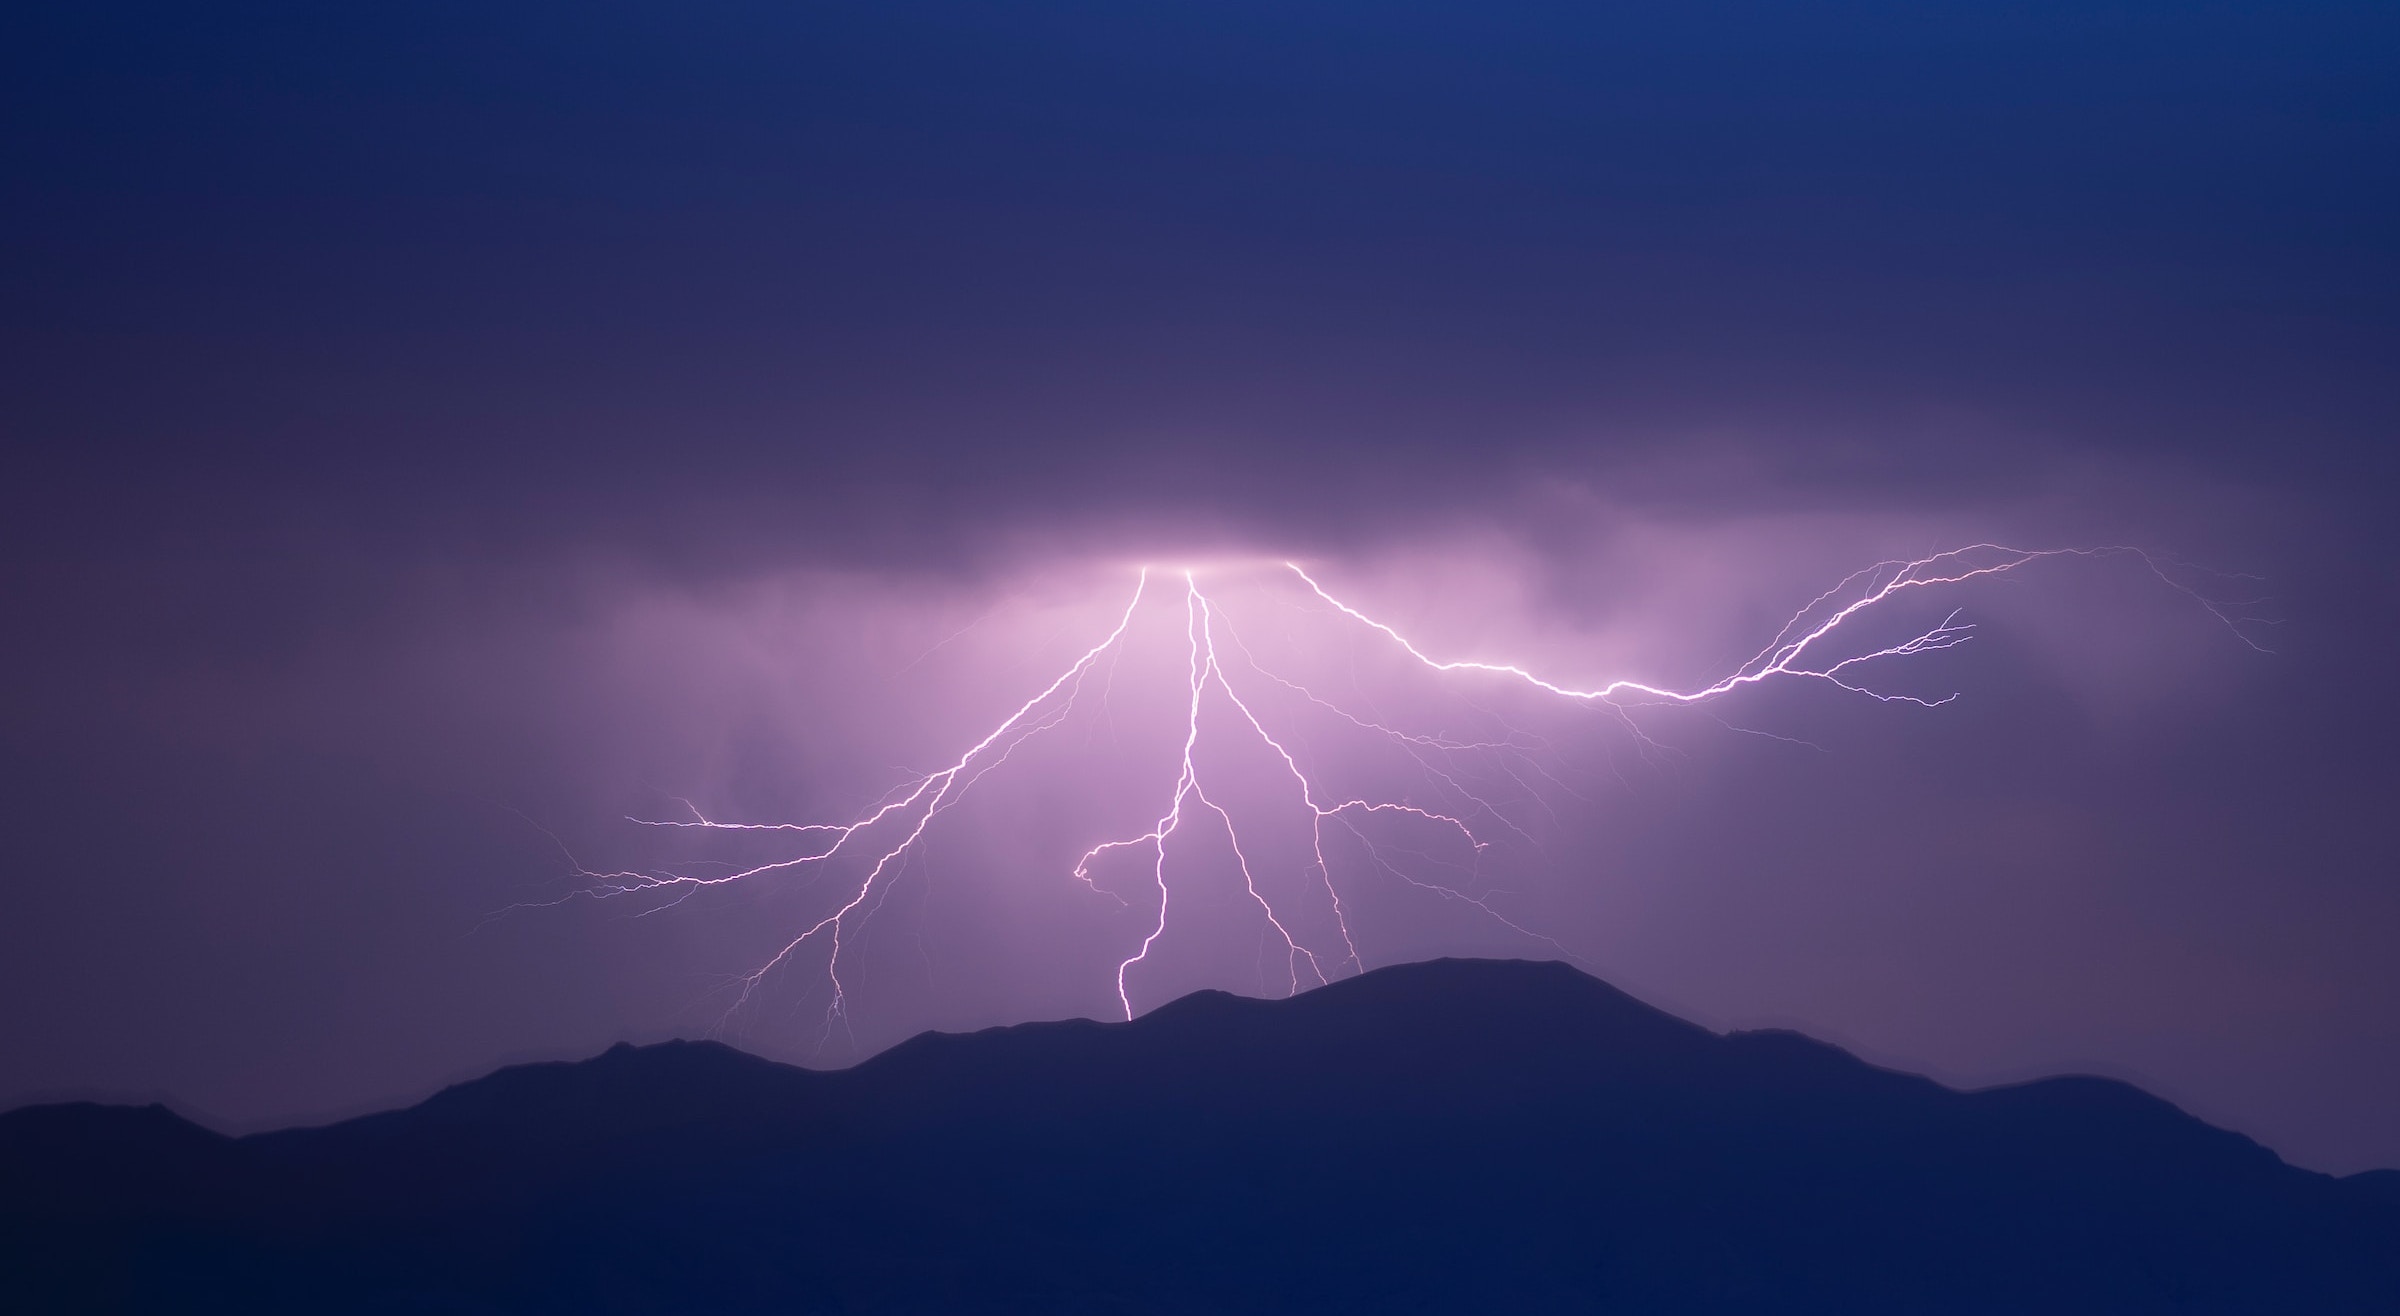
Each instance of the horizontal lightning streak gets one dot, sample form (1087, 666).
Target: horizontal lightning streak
(1783, 656)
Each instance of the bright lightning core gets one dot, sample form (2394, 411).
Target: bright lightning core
(1239, 781)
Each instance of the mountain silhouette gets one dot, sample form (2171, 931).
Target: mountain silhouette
(1454, 1136)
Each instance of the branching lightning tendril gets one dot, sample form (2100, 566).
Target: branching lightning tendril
(881, 838)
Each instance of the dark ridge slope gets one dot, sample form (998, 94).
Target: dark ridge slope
(1441, 1137)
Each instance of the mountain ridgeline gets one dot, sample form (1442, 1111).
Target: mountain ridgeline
(1454, 1136)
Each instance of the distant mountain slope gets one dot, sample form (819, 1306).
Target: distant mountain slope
(1456, 1136)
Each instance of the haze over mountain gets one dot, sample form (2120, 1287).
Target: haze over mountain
(1459, 1135)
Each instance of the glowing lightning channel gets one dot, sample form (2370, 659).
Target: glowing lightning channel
(1797, 652)
(936, 791)
(1204, 672)
(942, 785)
(1186, 780)
(1786, 654)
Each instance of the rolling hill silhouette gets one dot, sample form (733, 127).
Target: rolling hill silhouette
(1454, 1136)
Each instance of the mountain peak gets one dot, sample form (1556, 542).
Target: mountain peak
(1453, 1135)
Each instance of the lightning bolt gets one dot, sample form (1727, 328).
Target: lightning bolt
(1788, 654)
(1808, 647)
